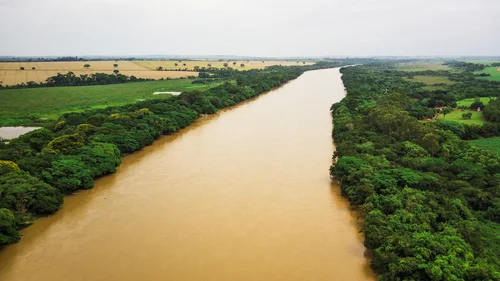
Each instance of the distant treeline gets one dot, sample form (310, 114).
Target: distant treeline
(38, 168)
(431, 202)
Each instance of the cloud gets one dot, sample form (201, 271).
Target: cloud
(244, 27)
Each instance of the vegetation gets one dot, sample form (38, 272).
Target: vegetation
(476, 118)
(468, 102)
(493, 73)
(41, 105)
(430, 201)
(491, 144)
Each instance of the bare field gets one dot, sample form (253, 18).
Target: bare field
(171, 64)
(11, 74)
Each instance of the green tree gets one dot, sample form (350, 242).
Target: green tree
(8, 227)
(69, 174)
(86, 65)
(467, 116)
(65, 144)
(446, 110)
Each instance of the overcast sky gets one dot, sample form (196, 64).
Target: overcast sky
(250, 27)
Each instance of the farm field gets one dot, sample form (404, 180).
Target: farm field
(171, 64)
(468, 102)
(492, 144)
(493, 71)
(431, 80)
(422, 66)
(456, 115)
(11, 74)
(28, 106)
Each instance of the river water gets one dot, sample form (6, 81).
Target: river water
(241, 195)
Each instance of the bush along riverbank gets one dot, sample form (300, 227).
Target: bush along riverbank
(431, 201)
(38, 168)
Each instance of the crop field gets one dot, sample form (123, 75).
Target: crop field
(33, 106)
(468, 102)
(432, 80)
(11, 73)
(492, 144)
(493, 71)
(422, 66)
(189, 65)
(456, 115)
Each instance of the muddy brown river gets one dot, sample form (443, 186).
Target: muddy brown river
(241, 195)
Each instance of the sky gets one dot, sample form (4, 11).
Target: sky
(269, 28)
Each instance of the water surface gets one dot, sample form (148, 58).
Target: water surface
(14, 132)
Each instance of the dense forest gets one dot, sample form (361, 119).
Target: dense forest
(429, 199)
(38, 168)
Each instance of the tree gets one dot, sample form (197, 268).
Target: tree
(242, 65)
(477, 104)
(467, 116)
(234, 63)
(115, 65)
(159, 68)
(69, 174)
(33, 68)
(226, 64)
(209, 65)
(86, 65)
(445, 111)
(8, 227)
(65, 144)
(176, 64)
(116, 71)
(21, 68)
(184, 64)
(196, 68)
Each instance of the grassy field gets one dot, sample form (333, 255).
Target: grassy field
(468, 102)
(492, 144)
(456, 115)
(493, 71)
(431, 80)
(11, 74)
(422, 65)
(152, 65)
(27, 106)
(483, 61)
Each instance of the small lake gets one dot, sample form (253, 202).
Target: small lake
(14, 132)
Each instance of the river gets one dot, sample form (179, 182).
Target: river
(244, 194)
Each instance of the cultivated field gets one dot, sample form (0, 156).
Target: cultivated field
(236, 64)
(11, 74)
(456, 115)
(32, 106)
(493, 71)
(432, 80)
(422, 66)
